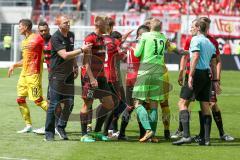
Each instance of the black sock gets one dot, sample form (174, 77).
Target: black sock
(101, 114)
(84, 122)
(141, 129)
(180, 127)
(218, 120)
(108, 122)
(90, 114)
(184, 118)
(125, 119)
(207, 126)
(123, 128)
(115, 124)
(201, 122)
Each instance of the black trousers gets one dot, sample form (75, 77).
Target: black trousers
(60, 106)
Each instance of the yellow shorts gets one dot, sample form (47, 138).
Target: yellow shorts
(30, 86)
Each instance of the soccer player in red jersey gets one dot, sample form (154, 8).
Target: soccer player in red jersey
(94, 82)
(44, 31)
(185, 63)
(111, 72)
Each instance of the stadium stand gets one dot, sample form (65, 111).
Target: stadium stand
(227, 7)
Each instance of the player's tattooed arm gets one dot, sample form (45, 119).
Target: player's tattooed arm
(75, 68)
(215, 75)
(183, 63)
(86, 62)
(16, 65)
(219, 67)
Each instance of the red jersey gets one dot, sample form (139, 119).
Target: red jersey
(110, 67)
(98, 54)
(187, 46)
(47, 53)
(132, 67)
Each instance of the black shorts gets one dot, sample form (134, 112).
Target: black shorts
(201, 87)
(186, 93)
(89, 92)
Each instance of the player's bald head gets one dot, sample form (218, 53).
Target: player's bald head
(63, 23)
(155, 25)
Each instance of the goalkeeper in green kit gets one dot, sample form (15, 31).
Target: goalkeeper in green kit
(152, 85)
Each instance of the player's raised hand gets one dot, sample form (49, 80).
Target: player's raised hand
(10, 70)
(86, 47)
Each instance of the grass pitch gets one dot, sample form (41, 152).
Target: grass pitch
(31, 146)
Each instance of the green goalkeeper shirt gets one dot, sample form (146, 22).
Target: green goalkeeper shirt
(150, 50)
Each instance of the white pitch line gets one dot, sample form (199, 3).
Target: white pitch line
(231, 94)
(12, 158)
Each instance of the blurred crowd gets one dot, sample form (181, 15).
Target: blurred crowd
(226, 7)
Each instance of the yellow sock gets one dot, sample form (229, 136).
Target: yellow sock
(25, 113)
(166, 117)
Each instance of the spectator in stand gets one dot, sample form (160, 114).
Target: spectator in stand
(45, 5)
(79, 4)
(227, 48)
(129, 5)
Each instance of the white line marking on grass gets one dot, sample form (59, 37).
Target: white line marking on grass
(13, 158)
(231, 94)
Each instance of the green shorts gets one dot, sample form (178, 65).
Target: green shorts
(152, 87)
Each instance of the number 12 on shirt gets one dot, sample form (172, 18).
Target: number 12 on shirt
(162, 44)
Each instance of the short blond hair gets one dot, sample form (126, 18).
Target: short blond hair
(156, 24)
(100, 20)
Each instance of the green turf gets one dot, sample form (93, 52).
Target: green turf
(30, 146)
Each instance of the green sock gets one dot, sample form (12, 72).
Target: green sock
(143, 117)
(153, 116)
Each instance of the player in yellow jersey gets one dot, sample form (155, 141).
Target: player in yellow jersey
(30, 80)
